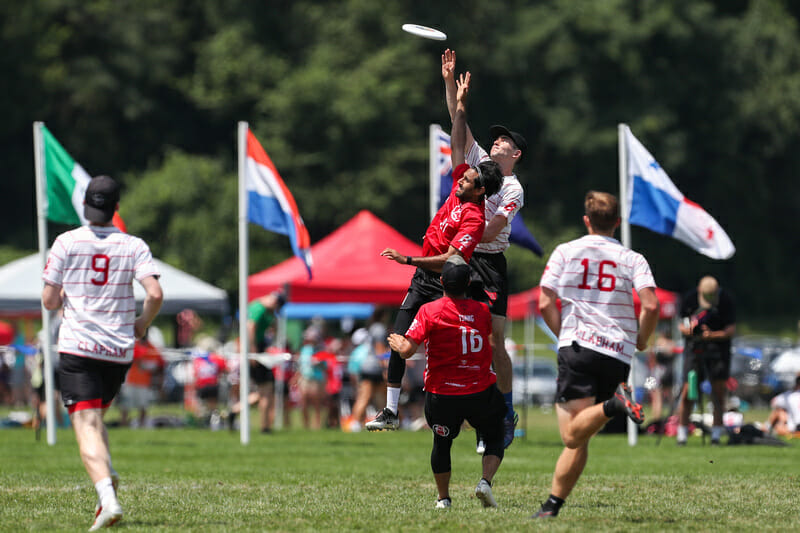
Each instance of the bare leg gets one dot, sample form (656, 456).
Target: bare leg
(92, 438)
(443, 484)
(490, 465)
(500, 358)
(578, 421)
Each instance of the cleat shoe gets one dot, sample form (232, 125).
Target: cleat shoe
(444, 503)
(385, 421)
(107, 516)
(680, 442)
(626, 403)
(541, 513)
(115, 483)
(484, 493)
(509, 426)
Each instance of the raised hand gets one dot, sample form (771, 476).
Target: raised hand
(463, 87)
(448, 64)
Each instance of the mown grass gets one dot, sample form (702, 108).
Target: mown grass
(297, 480)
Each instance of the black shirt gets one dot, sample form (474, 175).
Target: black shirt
(717, 318)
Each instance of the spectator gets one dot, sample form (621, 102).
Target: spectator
(208, 368)
(143, 379)
(311, 378)
(661, 360)
(260, 318)
(367, 372)
(709, 324)
(784, 419)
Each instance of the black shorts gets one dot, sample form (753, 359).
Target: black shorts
(426, 286)
(490, 281)
(584, 373)
(88, 383)
(208, 393)
(484, 411)
(261, 374)
(707, 360)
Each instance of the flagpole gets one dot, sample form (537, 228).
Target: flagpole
(244, 343)
(625, 233)
(41, 222)
(433, 169)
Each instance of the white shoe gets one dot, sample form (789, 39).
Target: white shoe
(484, 493)
(481, 447)
(107, 515)
(115, 484)
(444, 503)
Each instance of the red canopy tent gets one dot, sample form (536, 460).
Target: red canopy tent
(524, 303)
(347, 267)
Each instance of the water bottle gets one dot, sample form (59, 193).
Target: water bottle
(691, 394)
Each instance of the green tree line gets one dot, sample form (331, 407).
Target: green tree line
(151, 91)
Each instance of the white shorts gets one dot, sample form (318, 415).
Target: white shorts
(135, 397)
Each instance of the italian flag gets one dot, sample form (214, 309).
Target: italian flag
(66, 184)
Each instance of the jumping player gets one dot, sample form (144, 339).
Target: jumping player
(489, 261)
(90, 271)
(598, 331)
(456, 229)
(459, 382)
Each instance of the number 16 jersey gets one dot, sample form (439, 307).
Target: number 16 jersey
(96, 266)
(594, 277)
(456, 335)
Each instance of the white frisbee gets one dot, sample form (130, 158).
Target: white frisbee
(424, 31)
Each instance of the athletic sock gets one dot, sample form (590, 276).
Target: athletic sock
(552, 505)
(393, 399)
(510, 404)
(105, 490)
(683, 433)
(611, 407)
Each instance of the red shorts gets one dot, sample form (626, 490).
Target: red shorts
(88, 383)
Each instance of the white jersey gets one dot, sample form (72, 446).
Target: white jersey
(595, 277)
(506, 202)
(789, 401)
(95, 266)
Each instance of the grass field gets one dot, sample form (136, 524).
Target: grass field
(297, 480)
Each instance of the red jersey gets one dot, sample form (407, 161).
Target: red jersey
(457, 223)
(146, 362)
(207, 368)
(456, 334)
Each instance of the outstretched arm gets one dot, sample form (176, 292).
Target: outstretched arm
(449, 77)
(459, 133)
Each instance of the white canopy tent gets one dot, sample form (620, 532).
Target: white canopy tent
(21, 289)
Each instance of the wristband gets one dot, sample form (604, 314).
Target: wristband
(408, 259)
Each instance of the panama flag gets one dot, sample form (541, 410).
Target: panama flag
(654, 202)
(441, 176)
(66, 185)
(270, 204)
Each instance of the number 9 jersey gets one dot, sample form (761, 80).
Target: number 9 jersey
(456, 335)
(96, 266)
(594, 277)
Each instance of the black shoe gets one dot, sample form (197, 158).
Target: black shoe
(624, 400)
(542, 513)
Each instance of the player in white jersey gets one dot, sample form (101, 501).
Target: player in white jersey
(90, 271)
(489, 261)
(598, 331)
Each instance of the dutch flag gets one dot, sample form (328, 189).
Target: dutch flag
(270, 204)
(655, 203)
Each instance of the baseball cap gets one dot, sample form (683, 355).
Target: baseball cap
(455, 274)
(101, 199)
(498, 130)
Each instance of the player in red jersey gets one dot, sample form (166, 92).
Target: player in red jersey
(455, 229)
(459, 381)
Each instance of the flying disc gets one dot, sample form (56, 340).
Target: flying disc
(424, 31)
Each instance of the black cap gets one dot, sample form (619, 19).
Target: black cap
(455, 275)
(101, 199)
(497, 130)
